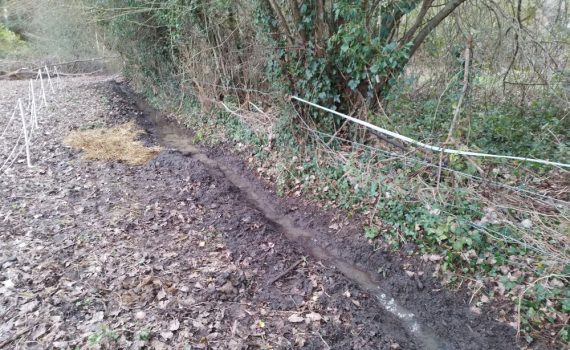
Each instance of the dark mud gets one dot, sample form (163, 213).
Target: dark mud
(394, 309)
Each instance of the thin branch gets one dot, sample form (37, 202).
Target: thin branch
(515, 53)
(432, 23)
(419, 19)
(277, 11)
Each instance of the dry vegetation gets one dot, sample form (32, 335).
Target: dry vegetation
(119, 143)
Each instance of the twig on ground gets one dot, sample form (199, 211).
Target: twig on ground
(326, 344)
(14, 337)
(284, 273)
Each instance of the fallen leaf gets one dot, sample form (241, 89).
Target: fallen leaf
(475, 309)
(158, 345)
(296, 319)
(98, 316)
(166, 335)
(313, 316)
(29, 307)
(174, 325)
(434, 257)
(39, 331)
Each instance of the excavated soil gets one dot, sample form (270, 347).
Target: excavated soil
(190, 250)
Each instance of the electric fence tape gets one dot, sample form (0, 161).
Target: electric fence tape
(426, 146)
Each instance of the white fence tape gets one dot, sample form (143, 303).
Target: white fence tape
(426, 146)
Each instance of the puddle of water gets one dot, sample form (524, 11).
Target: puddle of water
(176, 138)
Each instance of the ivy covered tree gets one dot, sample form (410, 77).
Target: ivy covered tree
(347, 52)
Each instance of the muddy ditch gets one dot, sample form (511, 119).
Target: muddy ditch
(399, 299)
(192, 250)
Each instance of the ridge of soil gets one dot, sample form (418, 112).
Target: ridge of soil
(171, 254)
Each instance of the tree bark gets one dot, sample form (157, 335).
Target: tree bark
(284, 25)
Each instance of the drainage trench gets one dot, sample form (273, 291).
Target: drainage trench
(174, 137)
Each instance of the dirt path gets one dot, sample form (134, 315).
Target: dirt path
(191, 251)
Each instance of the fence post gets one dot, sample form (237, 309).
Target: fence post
(44, 101)
(49, 80)
(58, 77)
(26, 141)
(33, 106)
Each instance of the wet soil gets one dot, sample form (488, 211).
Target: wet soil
(396, 287)
(191, 250)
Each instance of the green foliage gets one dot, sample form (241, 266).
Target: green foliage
(103, 336)
(144, 335)
(10, 43)
(49, 31)
(353, 61)
(536, 131)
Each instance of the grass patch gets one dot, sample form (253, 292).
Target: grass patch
(118, 143)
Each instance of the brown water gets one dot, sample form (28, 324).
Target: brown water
(175, 137)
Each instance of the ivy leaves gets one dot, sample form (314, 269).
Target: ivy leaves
(354, 57)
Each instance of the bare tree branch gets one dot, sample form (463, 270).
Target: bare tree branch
(423, 11)
(432, 23)
(515, 53)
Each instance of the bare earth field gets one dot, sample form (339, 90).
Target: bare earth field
(191, 251)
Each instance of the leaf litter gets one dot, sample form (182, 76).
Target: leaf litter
(159, 255)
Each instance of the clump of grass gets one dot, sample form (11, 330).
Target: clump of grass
(118, 143)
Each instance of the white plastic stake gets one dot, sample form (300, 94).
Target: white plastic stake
(33, 106)
(26, 141)
(58, 77)
(9, 122)
(44, 101)
(49, 80)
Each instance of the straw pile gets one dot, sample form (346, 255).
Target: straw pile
(117, 143)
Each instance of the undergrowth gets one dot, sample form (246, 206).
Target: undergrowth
(452, 224)
(531, 130)
(10, 43)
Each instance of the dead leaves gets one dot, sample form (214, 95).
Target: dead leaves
(174, 325)
(307, 318)
(295, 319)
